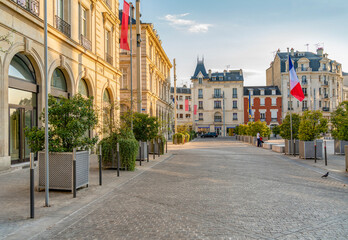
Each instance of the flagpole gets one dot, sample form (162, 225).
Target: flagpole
(47, 201)
(290, 145)
(175, 117)
(131, 61)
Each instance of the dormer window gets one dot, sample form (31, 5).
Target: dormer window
(324, 66)
(251, 92)
(262, 92)
(200, 80)
(273, 92)
(214, 78)
(221, 78)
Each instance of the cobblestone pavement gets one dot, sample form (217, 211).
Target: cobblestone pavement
(216, 189)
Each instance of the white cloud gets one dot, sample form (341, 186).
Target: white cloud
(192, 26)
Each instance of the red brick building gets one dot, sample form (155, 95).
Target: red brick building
(266, 104)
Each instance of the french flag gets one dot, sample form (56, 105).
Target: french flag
(295, 86)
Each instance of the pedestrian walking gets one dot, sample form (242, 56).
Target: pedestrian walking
(258, 139)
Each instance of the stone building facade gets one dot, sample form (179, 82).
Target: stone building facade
(83, 57)
(155, 76)
(218, 97)
(266, 104)
(320, 77)
(182, 94)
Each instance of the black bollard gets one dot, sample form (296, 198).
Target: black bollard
(118, 159)
(159, 147)
(167, 146)
(315, 151)
(32, 203)
(74, 173)
(325, 153)
(294, 151)
(140, 152)
(153, 150)
(148, 154)
(100, 165)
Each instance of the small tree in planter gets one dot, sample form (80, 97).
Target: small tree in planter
(285, 132)
(312, 124)
(339, 120)
(69, 120)
(258, 127)
(276, 130)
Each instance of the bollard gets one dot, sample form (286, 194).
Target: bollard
(154, 154)
(32, 204)
(140, 152)
(100, 165)
(167, 146)
(74, 173)
(148, 148)
(294, 149)
(118, 159)
(159, 147)
(315, 151)
(325, 153)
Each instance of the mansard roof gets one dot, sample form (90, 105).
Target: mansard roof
(182, 90)
(200, 68)
(232, 75)
(257, 90)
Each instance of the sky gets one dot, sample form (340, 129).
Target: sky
(245, 34)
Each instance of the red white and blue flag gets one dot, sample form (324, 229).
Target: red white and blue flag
(124, 27)
(295, 86)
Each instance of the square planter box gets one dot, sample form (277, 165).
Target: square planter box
(254, 141)
(288, 147)
(142, 155)
(339, 146)
(346, 153)
(61, 170)
(307, 149)
(155, 147)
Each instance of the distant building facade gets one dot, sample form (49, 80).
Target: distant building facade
(183, 116)
(345, 86)
(320, 77)
(219, 99)
(266, 104)
(155, 76)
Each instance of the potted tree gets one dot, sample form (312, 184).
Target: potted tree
(339, 120)
(285, 133)
(254, 128)
(276, 130)
(312, 124)
(69, 120)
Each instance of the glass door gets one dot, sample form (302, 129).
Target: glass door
(20, 118)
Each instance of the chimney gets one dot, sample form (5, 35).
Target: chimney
(320, 51)
(241, 72)
(209, 73)
(292, 52)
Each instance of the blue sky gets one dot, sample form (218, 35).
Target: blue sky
(244, 34)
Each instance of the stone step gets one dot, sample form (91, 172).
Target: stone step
(278, 148)
(268, 145)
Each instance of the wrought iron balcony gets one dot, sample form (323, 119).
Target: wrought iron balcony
(63, 26)
(263, 119)
(108, 58)
(200, 108)
(200, 96)
(217, 120)
(217, 107)
(326, 109)
(235, 107)
(304, 108)
(32, 6)
(86, 43)
(200, 119)
(218, 95)
(234, 96)
(274, 119)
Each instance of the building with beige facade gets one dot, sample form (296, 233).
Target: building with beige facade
(219, 99)
(320, 77)
(83, 57)
(183, 114)
(155, 76)
(345, 86)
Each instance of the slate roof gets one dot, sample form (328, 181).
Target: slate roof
(200, 68)
(182, 90)
(314, 60)
(257, 90)
(233, 75)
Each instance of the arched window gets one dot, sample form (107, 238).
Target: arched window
(58, 80)
(83, 88)
(21, 69)
(106, 96)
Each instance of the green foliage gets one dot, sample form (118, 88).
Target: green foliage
(236, 130)
(276, 130)
(69, 121)
(179, 137)
(187, 137)
(312, 124)
(255, 127)
(193, 134)
(339, 120)
(145, 128)
(108, 144)
(128, 151)
(242, 129)
(285, 128)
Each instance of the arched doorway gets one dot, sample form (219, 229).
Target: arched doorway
(22, 100)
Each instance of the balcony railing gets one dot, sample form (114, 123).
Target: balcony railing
(200, 96)
(217, 120)
(200, 108)
(235, 119)
(86, 43)
(234, 96)
(217, 107)
(32, 6)
(63, 26)
(218, 96)
(326, 95)
(274, 119)
(326, 109)
(304, 82)
(235, 107)
(263, 119)
(108, 58)
(325, 83)
(304, 108)
(200, 119)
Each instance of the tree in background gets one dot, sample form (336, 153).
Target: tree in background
(339, 120)
(285, 129)
(261, 127)
(276, 130)
(312, 124)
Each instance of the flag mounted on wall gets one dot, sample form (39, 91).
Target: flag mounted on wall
(186, 105)
(295, 86)
(124, 28)
(250, 111)
(195, 109)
